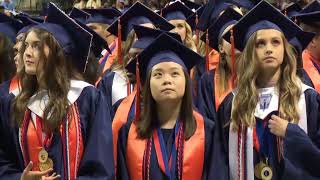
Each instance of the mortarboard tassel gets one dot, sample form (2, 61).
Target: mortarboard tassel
(197, 30)
(207, 51)
(137, 103)
(296, 20)
(285, 12)
(233, 58)
(119, 42)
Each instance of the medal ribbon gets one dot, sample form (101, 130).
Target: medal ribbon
(167, 165)
(48, 140)
(263, 139)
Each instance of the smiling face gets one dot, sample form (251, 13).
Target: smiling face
(269, 48)
(167, 82)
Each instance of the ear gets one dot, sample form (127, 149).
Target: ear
(221, 49)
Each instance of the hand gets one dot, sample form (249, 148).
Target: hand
(53, 176)
(37, 175)
(278, 126)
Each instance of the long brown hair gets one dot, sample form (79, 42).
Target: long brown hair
(148, 119)
(55, 74)
(246, 97)
(7, 65)
(223, 70)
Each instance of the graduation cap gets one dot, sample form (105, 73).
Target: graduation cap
(72, 38)
(214, 8)
(27, 23)
(292, 10)
(301, 40)
(229, 17)
(163, 49)
(176, 10)
(147, 35)
(256, 19)
(79, 15)
(98, 42)
(247, 4)
(103, 16)
(9, 26)
(137, 14)
(191, 5)
(310, 14)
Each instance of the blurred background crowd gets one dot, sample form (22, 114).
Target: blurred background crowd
(39, 6)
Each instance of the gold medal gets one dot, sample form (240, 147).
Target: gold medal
(263, 171)
(43, 156)
(46, 165)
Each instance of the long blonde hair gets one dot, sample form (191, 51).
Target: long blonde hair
(189, 42)
(246, 97)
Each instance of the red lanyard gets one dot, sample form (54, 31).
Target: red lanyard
(48, 139)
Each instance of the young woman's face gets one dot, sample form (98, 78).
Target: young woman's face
(180, 28)
(17, 51)
(167, 82)
(32, 54)
(269, 47)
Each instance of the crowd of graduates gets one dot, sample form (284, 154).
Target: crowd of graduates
(225, 90)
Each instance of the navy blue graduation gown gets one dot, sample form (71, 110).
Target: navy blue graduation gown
(4, 88)
(97, 161)
(155, 171)
(112, 94)
(301, 151)
(206, 99)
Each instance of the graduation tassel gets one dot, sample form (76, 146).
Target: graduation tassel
(197, 30)
(207, 51)
(285, 12)
(233, 58)
(119, 42)
(137, 103)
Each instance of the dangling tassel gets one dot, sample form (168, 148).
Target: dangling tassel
(207, 51)
(233, 58)
(137, 104)
(197, 30)
(128, 88)
(161, 12)
(285, 12)
(119, 42)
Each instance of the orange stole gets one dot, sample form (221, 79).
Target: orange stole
(311, 70)
(75, 143)
(193, 152)
(109, 61)
(14, 84)
(120, 118)
(220, 97)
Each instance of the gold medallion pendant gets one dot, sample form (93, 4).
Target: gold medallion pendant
(43, 166)
(263, 171)
(43, 156)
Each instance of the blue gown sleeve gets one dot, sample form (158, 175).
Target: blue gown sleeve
(97, 161)
(4, 88)
(11, 166)
(220, 153)
(209, 143)
(206, 98)
(301, 150)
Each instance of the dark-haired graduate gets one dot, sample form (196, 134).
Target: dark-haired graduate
(58, 126)
(169, 140)
(268, 127)
(216, 84)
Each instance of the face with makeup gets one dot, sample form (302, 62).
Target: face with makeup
(180, 28)
(32, 55)
(167, 82)
(269, 48)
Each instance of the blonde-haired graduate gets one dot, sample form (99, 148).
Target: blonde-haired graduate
(268, 126)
